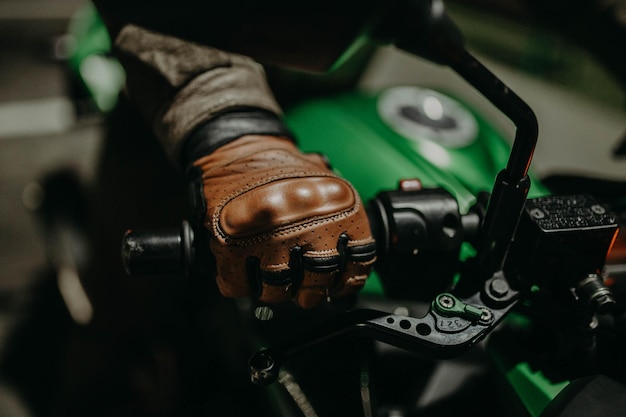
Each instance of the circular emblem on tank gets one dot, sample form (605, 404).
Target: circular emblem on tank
(420, 113)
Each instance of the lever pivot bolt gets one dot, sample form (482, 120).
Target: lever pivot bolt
(446, 301)
(499, 288)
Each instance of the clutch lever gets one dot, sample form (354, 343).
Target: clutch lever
(450, 327)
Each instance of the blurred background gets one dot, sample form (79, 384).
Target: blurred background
(47, 127)
(37, 124)
(39, 133)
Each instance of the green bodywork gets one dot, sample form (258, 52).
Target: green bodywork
(373, 157)
(96, 71)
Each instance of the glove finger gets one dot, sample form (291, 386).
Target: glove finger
(232, 275)
(317, 287)
(238, 276)
(352, 280)
(336, 272)
(306, 288)
(314, 289)
(306, 278)
(273, 286)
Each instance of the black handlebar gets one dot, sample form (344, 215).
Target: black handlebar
(554, 231)
(159, 251)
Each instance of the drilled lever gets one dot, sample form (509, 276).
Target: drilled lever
(451, 327)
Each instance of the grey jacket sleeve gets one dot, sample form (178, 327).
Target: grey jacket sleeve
(178, 85)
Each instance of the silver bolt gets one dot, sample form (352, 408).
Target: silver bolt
(263, 313)
(446, 301)
(486, 315)
(499, 288)
(537, 213)
(598, 209)
(401, 311)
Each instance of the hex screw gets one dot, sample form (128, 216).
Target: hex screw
(446, 301)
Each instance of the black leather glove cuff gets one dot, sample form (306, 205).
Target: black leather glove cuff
(229, 126)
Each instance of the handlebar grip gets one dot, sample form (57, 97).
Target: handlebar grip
(400, 220)
(159, 251)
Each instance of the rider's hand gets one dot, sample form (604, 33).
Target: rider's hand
(283, 225)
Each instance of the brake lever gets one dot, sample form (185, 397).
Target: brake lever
(450, 327)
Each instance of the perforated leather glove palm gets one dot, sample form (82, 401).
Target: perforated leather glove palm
(283, 225)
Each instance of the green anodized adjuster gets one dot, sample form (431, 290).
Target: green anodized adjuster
(448, 305)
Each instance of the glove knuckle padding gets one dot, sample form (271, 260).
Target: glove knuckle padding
(265, 198)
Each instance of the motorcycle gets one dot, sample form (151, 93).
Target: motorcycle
(493, 293)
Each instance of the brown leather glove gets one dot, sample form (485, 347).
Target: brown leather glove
(283, 225)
